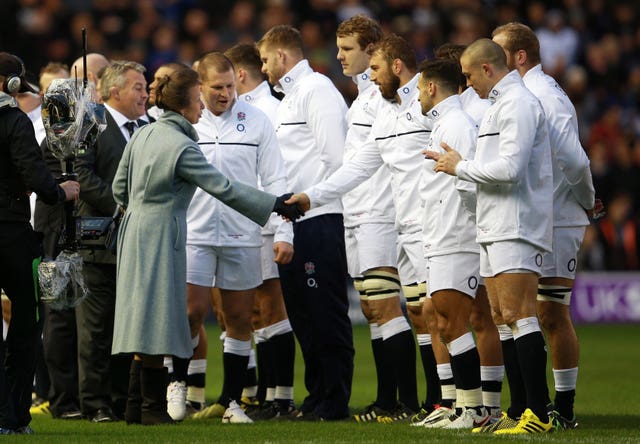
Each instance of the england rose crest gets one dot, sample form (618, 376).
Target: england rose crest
(309, 268)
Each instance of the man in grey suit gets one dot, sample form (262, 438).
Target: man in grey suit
(103, 379)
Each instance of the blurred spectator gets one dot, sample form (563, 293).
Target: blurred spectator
(240, 25)
(614, 243)
(164, 48)
(348, 8)
(558, 44)
(608, 130)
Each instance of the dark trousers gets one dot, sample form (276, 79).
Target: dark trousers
(315, 295)
(41, 384)
(20, 251)
(59, 338)
(103, 379)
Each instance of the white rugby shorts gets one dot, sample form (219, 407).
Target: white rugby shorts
(562, 261)
(509, 256)
(228, 268)
(412, 265)
(370, 246)
(456, 271)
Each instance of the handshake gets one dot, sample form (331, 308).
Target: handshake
(290, 207)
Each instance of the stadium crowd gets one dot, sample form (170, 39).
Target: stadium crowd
(591, 49)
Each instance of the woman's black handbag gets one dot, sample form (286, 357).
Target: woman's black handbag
(111, 238)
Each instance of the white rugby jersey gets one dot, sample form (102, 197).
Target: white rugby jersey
(241, 144)
(573, 190)
(449, 224)
(512, 168)
(311, 127)
(261, 98)
(398, 136)
(371, 201)
(473, 105)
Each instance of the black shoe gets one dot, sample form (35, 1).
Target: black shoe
(268, 410)
(274, 410)
(104, 415)
(401, 413)
(24, 430)
(290, 415)
(70, 414)
(308, 417)
(370, 414)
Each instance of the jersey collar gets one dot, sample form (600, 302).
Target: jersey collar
(260, 91)
(407, 91)
(533, 72)
(363, 80)
(504, 85)
(288, 82)
(442, 108)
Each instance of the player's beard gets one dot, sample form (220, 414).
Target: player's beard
(389, 88)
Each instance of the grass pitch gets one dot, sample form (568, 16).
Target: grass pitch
(607, 405)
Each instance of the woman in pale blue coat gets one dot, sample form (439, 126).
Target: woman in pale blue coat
(156, 178)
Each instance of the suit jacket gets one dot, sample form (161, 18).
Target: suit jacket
(96, 169)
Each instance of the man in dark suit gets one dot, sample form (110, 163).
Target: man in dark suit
(104, 378)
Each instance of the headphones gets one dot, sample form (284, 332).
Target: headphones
(13, 82)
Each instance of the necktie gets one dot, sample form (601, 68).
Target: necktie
(141, 123)
(131, 127)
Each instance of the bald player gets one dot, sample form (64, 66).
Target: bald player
(512, 171)
(573, 198)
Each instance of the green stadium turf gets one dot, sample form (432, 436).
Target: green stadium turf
(607, 405)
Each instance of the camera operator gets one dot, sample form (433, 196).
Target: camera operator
(22, 171)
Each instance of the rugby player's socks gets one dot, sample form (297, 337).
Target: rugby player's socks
(400, 347)
(491, 377)
(532, 356)
(512, 369)
(196, 378)
(180, 369)
(281, 337)
(565, 384)
(234, 362)
(264, 358)
(270, 394)
(250, 389)
(429, 365)
(447, 385)
(386, 392)
(465, 364)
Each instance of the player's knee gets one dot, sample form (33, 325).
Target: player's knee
(551, 319)
(496, 315)
(367, 312)
(481, 321)
(266, 314)
(444, 329)
(196, 314)
(509, 316)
